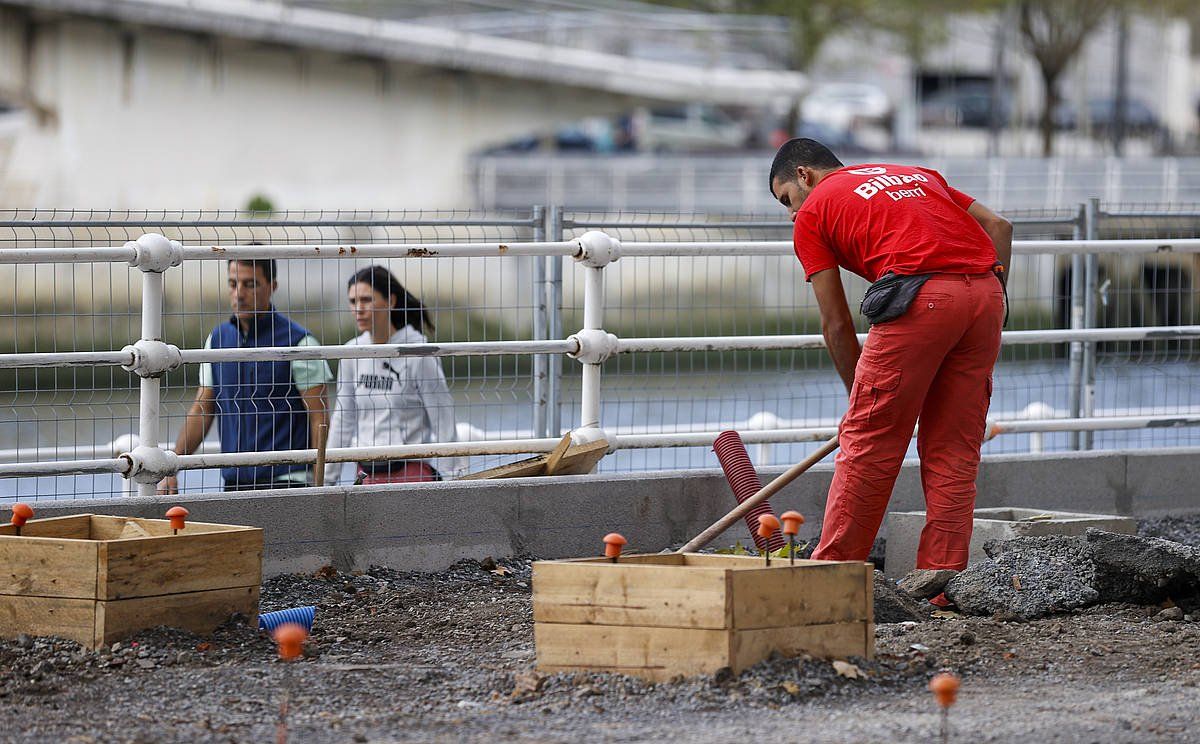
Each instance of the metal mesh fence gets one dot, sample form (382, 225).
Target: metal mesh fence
(85, 412)
(768, 295)
(54, 414)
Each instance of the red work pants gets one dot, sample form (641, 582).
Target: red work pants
(934, 363)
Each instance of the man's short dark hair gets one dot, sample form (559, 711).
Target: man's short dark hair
(266, 264)
(800, 151)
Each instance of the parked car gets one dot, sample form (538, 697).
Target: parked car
(595, 134)
(694, 127)
(838, 140)
(963, 106)
(843, 105)
(1140, 119)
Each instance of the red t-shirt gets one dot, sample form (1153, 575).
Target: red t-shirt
(876, 218)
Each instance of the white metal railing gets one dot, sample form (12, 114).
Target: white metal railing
(150, 357)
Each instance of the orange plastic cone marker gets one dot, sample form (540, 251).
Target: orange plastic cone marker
(945, 689)
(791, 527)
(613, 542)
(290, 638)
(768, 524)
(178, 516)
(21, 513)
(791, 522)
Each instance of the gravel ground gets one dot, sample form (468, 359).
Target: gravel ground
(449, 656)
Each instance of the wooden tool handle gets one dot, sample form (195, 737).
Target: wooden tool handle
(766, 492)
(322, 442)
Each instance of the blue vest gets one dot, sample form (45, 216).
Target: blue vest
(258, 407)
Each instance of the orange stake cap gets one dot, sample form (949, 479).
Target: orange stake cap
(613, 542)
(178, 516)
(21, 513)
(767, 525)
(290, 638)
(791, 522)
(945, 689)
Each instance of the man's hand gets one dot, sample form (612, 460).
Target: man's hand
(837, 325)
(168, 486)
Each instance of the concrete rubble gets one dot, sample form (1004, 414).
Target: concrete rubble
(924, 583)
(1031, 577)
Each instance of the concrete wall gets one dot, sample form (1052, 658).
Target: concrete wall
(120, 116)
(429, 526)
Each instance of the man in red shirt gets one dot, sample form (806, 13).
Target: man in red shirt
(933, 362)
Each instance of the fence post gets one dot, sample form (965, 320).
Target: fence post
(541, 362)
(1075, 368)
(1091, 281)
(595, 345)
(149, 463)
(554, 321)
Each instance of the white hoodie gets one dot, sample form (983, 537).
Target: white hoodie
(401, 400)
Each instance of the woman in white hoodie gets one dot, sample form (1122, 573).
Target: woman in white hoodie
(399, 400)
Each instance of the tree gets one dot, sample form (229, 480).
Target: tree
(1054, 32)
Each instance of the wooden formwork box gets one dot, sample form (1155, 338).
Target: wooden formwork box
(97, 579)
(659, 616)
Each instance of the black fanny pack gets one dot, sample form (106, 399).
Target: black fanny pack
(890, 296)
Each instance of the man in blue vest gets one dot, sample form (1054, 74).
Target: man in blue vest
(259, 406)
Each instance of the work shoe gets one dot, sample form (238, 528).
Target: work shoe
(941, 602)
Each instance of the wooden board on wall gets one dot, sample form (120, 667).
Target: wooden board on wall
(73, 619)
(48, 567)
(630, 594)
(198, 612)
(180, 563)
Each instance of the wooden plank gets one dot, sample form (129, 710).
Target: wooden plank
(740, 562)
(48, 567)
(582, 459)
(118, 528)
(575, 460)
(528, 467)
(73, 619)
(629, 594)
(555, 458)
(198, 612)
(637, 559)
(869, 592)
(655, 654)
(133, 529)
(174, 564)
(831, 641)
(75, 527)
(830, 592)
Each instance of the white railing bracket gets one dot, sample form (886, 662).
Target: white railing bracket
(149, 465)
(595, 345)
(597, 249)
(153, 252)
(152, 358)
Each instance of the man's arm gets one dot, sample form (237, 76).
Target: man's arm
(195, 427)
(999, 230)
(837, 325)
(318, 412)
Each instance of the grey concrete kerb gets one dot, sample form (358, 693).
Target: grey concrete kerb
(1000, 523)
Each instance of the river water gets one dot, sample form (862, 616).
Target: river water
(633, 403)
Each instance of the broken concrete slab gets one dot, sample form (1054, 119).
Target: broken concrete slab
(1003, 523)
(1145, 570)
(1027, 577)
(924, 583)
(894, 606)
(1030, 577)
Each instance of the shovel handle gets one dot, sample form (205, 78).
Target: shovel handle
(714, 531)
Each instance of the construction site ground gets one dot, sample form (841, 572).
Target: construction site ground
(449, 656)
